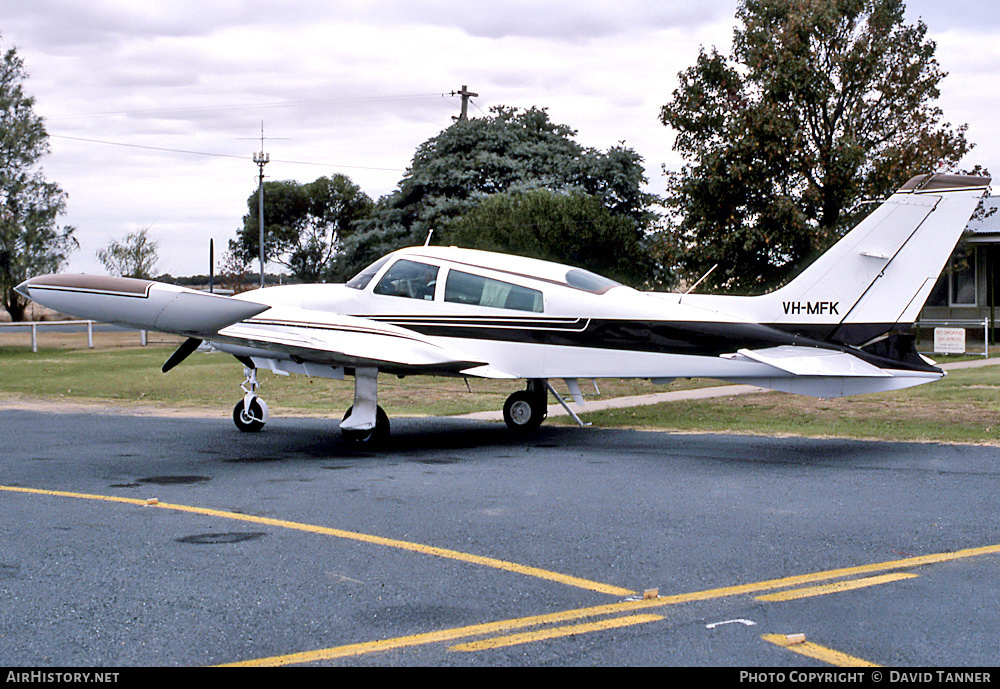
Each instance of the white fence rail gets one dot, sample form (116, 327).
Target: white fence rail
(35, 325)
(143, 336)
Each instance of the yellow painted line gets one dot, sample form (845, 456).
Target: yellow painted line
(555, 633)
(836, 587)
(822, 653)
(608, 609)
(351, 535)
(424, 639)
(506, 625)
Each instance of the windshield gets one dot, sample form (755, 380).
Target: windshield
(361, 280)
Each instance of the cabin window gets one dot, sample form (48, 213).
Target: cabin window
(464, 288)
(408, 279)
(589, 282)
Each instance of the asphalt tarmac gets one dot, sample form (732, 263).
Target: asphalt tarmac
(144, 541)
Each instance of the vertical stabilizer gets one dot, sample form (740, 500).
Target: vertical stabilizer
(878, 276)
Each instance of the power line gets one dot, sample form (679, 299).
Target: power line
(464, 93)
(217, 155)
(249, 106)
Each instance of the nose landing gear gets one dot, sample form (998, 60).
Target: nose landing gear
(250, 414)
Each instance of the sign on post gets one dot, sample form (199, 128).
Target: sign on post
(949, 340)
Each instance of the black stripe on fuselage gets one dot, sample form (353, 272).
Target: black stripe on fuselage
(694, 338)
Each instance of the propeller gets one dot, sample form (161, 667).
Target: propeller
(182, 353)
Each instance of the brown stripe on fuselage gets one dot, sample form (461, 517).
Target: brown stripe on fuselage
(130, 287)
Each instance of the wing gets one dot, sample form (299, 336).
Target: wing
(248, 328)
(335, 340)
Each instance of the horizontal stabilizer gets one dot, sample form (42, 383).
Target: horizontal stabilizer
(825, 373)
(812, 361)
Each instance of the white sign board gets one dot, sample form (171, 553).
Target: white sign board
(949, 340)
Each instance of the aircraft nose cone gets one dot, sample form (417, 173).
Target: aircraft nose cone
(22, 289)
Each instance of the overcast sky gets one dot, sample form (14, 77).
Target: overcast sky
(154, 109)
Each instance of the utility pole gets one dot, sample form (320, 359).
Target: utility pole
(261, 159)
(466, 94)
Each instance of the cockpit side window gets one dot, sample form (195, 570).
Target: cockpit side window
(408, 279)
(464, 288)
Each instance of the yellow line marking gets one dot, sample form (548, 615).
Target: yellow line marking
(555, 633)
(351, 535)
(827, 655)
(506, 625)
(837, 587)
(610, 609)
(426, 638)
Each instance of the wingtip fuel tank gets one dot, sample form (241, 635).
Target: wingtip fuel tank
(136, 303)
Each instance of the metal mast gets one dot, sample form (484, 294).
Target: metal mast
(261, 159)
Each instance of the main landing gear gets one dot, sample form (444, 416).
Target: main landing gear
(365, 422)
(375, 435)
(524, 411)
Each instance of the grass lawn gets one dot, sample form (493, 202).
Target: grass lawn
(210, 381)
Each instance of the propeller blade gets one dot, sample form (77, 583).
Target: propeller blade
(182, 353)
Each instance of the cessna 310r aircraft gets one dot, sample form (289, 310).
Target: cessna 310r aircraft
(839, 328)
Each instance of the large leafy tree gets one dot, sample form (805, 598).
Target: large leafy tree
(30, 241)
(822, 105)
(511, 150)
(304, 224)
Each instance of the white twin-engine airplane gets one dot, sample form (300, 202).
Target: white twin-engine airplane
(839, 328)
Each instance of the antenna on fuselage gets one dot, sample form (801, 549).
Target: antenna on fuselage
(691, 288)
(427, 242)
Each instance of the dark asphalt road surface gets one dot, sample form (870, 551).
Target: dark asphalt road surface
(460, 545)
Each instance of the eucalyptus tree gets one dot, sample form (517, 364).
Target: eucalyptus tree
(31, 242)
(822, 105)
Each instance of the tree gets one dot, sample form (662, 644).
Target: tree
(511, 150)
(570, 227)
(133, 257)
(305, 224)
(234, 271)
(30, 242)
(823, 104)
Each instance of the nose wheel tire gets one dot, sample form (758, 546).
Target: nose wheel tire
(250, 418)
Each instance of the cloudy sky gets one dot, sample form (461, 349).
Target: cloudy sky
(154, 109)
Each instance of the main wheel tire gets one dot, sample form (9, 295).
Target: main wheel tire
(254, 420)
(372, 436)
(523, 412)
